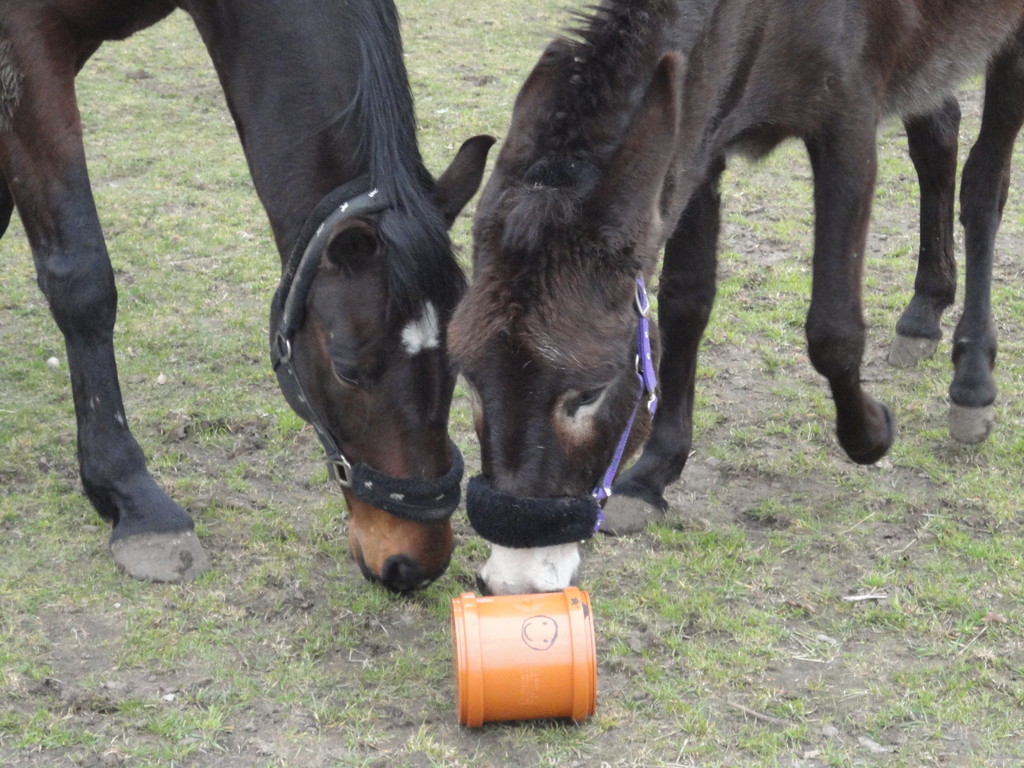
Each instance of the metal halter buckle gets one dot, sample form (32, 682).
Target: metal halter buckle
(643, 304)
(341, 469)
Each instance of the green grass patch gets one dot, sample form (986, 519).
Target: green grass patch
(792, 609)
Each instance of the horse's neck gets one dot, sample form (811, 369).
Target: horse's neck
(720, 43)
(294, 103)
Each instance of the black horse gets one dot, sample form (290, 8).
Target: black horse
(618, 139)
(319, 95)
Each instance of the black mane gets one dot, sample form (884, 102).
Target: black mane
(606, 54)
(420, 266)
(589, 67)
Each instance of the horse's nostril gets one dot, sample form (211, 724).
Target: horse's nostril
(401, 574)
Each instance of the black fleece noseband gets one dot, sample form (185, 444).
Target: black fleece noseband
(520, 522)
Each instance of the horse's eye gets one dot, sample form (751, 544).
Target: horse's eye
(585, 398)
(348, 375)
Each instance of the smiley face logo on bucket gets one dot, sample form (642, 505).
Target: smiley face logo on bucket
(540, 632)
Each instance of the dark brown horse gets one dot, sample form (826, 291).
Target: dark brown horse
(617, 142)
(320, 98)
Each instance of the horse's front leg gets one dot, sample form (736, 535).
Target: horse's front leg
(983, 193)
(685, 297)
(843, 158)
(932, 139)
(6, 205)
(43, 158)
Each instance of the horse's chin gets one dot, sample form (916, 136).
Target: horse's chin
(527, 571)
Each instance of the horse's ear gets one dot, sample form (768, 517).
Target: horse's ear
(536, 97)
(353, 245)
(635, 177)
(462, 178)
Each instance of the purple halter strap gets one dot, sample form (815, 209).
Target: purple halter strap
(648, 384)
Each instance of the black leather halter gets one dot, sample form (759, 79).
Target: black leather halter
(407, 498)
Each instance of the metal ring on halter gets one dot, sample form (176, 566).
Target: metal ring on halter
(284, 349)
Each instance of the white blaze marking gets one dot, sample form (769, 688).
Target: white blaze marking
(423, 333)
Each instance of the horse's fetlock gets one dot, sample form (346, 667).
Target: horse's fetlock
(834, 353)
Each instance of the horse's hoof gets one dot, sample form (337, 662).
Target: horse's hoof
(877, 451)
(161, 556)
(908, 351)
(970, 425)
(624, 515)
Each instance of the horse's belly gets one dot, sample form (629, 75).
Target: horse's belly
(941, 60)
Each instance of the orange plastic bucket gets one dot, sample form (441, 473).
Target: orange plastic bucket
(523, 657)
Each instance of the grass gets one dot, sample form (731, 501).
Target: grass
(793, 609)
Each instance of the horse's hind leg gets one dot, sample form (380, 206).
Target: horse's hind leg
(41, 153)
(933, 149)
(983, 192)
(843, 158)
(685, 298)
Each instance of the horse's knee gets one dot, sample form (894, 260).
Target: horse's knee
(980, 209)
(985, 182)
(686, 301)
(79, 288)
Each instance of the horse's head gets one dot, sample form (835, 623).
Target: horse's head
(547, 336)
(357, 339)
